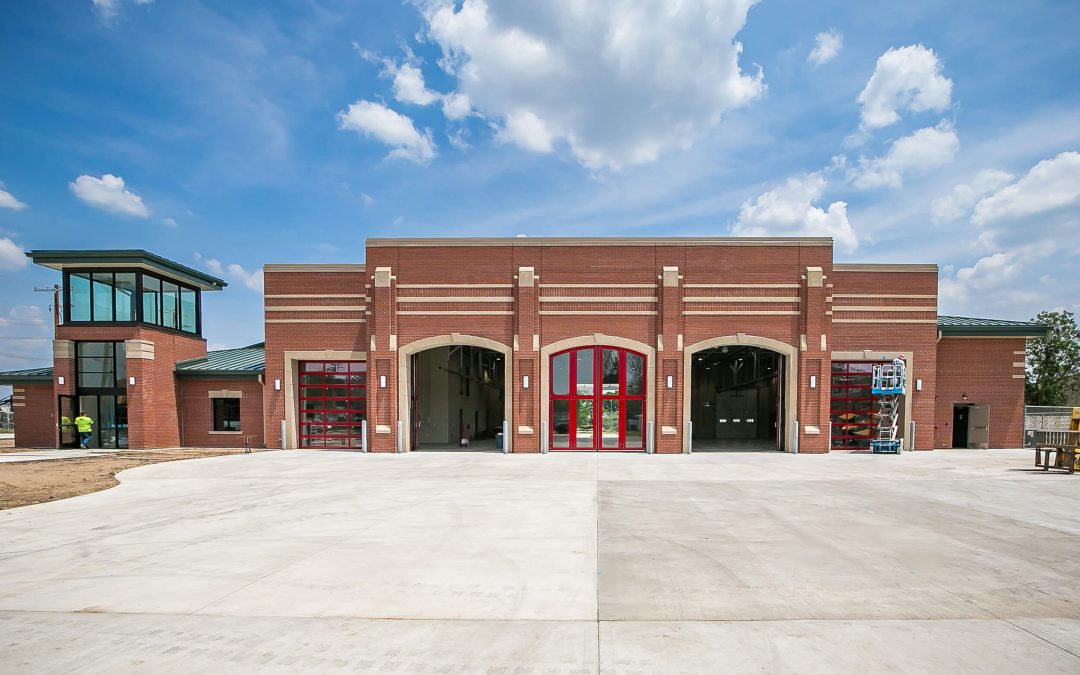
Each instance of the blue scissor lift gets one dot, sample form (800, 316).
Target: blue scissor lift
(888, 384)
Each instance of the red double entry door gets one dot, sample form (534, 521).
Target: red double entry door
(597, 399)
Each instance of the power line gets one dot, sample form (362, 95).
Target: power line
(21, 337)
(22, 356)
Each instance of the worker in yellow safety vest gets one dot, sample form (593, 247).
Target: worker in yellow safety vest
(85, 426)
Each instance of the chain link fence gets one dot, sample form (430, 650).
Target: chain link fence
(1045, 418)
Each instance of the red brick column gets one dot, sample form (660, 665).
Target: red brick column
(814, 362)
(669, 364)
(383, 413)
(526, 355)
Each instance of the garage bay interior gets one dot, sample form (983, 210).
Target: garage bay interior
(456, 392)
(736, 399)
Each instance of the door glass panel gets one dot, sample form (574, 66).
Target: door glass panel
(121, 422)
(107, 421)
(583, 423)
(634, 423)
(585, 371)
(560, 423)
(635, 374)
(560, 375)
(610, 422)
(610, 372)
(89, 405)
(79, 289)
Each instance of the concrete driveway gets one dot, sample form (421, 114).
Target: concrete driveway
(951, 561)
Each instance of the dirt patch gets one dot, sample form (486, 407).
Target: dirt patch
(24, 483)
(7, 444)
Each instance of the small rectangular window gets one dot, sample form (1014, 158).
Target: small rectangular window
(170, 304)
(187, 310)
(151, 299)
(103, 296)
(125, 296)
(226, 414)
(79, 296)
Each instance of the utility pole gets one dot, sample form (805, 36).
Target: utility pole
(55, 290)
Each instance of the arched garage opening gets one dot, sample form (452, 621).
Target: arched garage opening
(454, 387)
(739, 393)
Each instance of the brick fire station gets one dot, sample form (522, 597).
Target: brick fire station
(662, 345)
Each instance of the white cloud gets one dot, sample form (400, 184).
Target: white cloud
(109, 11)
(987, 274)
(394, 129)
(525, 128)
(11, 255)
(789, 210)
(253, 280)
(905, 78)
(619, 81)
(924, 149)
(171, 222)
(8, 201)
(1050, 185)
(108, 193)
(954, 205)
(366, 199)
(826, 47)
(409, 85)
(456, 106)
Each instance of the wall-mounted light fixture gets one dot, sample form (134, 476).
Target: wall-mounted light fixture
(525, 382)
(131, 381)
(813, 381)
(670, 381)
(918, 385)
(60, 380)
(382, 382)
(963, 397)
(277, 385)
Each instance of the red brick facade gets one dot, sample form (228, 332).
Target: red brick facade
(982, 371)
(35, 415)
(197, 423)
(530, 298)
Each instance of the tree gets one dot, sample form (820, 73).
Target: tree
(1053, 361)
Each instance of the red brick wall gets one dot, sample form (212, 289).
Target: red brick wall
(35, 418)
(153, 421)
(197, 422)
(302, 330)
(919, 338)
(983, 369)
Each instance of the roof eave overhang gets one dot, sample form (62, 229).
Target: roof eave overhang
(25, 379)
(60, 260)
(219, 374)
(1003, 331)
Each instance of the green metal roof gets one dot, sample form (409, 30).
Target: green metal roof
(963, 326)
(27, 376)
(57, 259)
(240, 362)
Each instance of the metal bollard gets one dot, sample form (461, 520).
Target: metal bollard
(543, 437)
(282, 434)
(911, 436)
(795, 444)
(397, 442)
(690, 437)
(506, 437)
(363, 436)
(650, 442)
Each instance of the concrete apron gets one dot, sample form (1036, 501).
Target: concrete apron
(561, 563)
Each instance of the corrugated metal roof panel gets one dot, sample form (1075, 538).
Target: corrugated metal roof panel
(250, 359)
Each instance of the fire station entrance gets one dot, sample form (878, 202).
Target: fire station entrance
(597, 399)
(737, 399)
(457, 398)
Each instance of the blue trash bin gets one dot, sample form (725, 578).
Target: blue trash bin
(498, 441)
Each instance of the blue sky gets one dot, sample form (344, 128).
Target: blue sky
(229, 135)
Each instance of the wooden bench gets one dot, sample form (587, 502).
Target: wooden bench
(1062, 446)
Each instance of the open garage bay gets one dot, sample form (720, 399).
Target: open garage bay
(950, 561)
